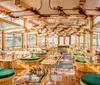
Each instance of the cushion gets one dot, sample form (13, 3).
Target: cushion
(6, 72)
(91, 79)
(63, 46)
(31, 58)
(79, 54)
(80, 60)
(40, 53)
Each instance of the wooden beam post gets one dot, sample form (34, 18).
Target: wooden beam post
(84, 38)
(25, 34)
(58, 40)
(38, 39)
(91, 35)
(3, 40)
(70, 40)
(64, 40)
(53, 39)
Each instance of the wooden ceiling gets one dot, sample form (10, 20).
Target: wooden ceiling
(47, 7)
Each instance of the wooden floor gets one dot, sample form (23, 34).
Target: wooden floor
(66, 80)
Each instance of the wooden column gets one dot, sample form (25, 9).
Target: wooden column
(38, 39)
(91, 35)
(64, 40)
(70, 40)
(3, 40)
(53, 39)
(25, 35)
(79, 41)
(84, 38)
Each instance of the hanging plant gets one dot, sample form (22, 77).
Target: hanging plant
(73, 33)
(39, 31)
(81, 11)
(61, 11)
(65, 28)
(5, 13)
(36, 12)
(98, 9)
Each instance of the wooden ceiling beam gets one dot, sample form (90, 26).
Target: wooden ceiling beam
(9, 22)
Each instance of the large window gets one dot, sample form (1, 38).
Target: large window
(55, 39)
(99, 40)
(31, 40)
(42, 40)
(81, 40)
(61, 40)
(73, 39)
(96, 40)
(9, 41)
(17, 40)
(67, 40)
(87, 40)
(50, 39)
(12, 40)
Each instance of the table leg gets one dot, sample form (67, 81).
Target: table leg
(50, 82)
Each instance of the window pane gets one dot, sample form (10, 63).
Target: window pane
(88, 40)
(55, 39)
(9, 41)
(17, 40)
(81, 40)
(31, 40)
(67, 40)
(50, 40)
(61, 40)
(42, 40)
(73, 39)
(99, 40)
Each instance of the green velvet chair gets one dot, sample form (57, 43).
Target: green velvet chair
(78, 54)
(6, 76)
(81, 60)
(6, 72)
(90, 79)
(63, 46)
(30, 58)
(40, 53)
(79, 67)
